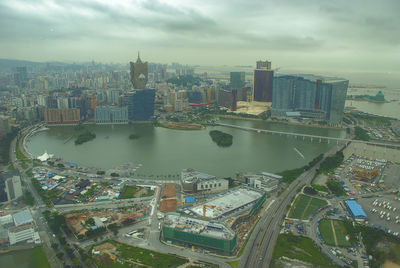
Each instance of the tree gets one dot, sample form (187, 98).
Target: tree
(90, 222)
(75, 261)
(309, 190)
(54, 246)
(60, 255)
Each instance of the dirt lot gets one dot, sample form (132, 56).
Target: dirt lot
(168, 191)
(168, 205)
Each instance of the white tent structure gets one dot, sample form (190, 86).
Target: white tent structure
(45, 156)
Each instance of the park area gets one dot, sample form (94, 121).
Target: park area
(114, 254)
(304, 206)
(333, 232)
(135, 191)
(299, 248)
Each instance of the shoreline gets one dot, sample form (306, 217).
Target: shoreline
(282, 122)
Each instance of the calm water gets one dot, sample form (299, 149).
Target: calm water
(390, 109)
(166, 151)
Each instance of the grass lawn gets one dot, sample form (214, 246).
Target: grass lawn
(39, 258)
(303, 207)
(341, 234)
(147, 257)
(300, 248)
(233, 264)
(315, 204)
(299, 206)
(127, 192)
(325, 228)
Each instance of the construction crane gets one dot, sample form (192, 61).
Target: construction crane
(205, 208)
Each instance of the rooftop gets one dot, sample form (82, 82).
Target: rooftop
(227, 202)
(355, 208)
(190, 175)
(197, 226)
(22, 217)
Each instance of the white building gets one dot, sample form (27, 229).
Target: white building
(6, 220)
(193, 181)
(265, 181)
(22, 218)
(213, 185)
(13, 188)
(21, 233)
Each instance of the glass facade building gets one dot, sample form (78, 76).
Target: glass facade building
(140, 104)
(318, 99)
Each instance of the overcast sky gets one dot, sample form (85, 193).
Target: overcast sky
(356, 35)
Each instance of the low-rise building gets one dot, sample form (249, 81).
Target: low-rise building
(20, 233)
(265, 181)
(193, 181)
(200, 233)
(356, 210)
(22, 218)
(13, 188)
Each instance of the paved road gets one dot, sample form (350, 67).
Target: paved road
(42, 227)
(265, 234)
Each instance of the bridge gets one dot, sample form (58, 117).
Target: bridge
(309, 136)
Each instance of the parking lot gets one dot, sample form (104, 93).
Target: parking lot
(383, 212)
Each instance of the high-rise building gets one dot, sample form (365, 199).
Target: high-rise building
(139, 73)
(332, 99)
(140, 104)
(263, 82)
(263, 65)
(227, 98)
(111, 114)
(62, 116)
(318, 99)
(238, 82)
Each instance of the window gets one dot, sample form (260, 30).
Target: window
(219, 184)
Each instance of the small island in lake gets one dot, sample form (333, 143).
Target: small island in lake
(134, 136)
(220, 138)
(84, 137)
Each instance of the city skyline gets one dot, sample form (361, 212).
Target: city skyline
(306, 35)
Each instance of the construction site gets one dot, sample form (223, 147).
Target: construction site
(168, 201)
(219, 225)
(197, 232)
(78, 221)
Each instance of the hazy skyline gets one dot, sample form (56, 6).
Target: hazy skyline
(307, 34)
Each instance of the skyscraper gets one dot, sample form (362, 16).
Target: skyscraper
(139, 73)
(332, 99)
(238, 82)
(140, 104)
(317, 99)
(263, 81)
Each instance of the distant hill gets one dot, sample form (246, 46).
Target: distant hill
(9, 65)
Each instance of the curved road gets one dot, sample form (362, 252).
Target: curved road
(265, 234)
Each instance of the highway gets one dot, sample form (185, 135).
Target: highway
(258, 252)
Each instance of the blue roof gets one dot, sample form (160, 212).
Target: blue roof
(355, 209)
(189, 199)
